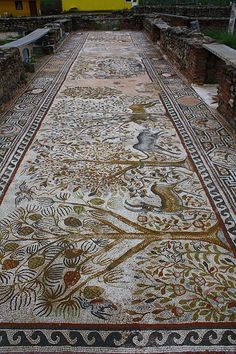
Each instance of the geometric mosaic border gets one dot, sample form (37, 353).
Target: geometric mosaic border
(199, 156)
(117, 340)
(34, 115)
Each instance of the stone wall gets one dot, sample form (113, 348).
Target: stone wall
(215, 68)
(153, 27)
(120, 20)
(188, 11)
(184, 49)
(30, 23)
(149, 25)
(206, 23)
(227, 95)
(11, 73)
(209, 17)
(186, 52)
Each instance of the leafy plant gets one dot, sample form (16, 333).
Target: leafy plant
(222, 37)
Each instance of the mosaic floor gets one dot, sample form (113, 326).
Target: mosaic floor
(117, 218)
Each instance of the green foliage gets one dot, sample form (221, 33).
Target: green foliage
(184, 2)
(23, 77)
(210, 80)
(8, 39)
(51, 7)
(222, 37)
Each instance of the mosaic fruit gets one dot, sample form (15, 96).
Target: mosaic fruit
(78, 209)
(92, 292)
(72, 222)
(25, 230)
(35, 217)
(11, 246)
(71, 278)
(97, 201)
(72, 253)
(36, 262)
(10, 264)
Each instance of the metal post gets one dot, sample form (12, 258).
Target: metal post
(232, 19)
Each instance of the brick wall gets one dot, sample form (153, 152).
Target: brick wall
(227, 95)
(186, 52)
(11, 73)
(215, 68)
(119, 20)
(151, 29)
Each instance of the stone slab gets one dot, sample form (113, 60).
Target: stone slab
(222, 51)
(30, 38)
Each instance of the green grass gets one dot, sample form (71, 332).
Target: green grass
(4, 41)
(8, 39)
(222, 37)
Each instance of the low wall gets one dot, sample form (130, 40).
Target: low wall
(29, 23)
(209, 18)
(149, 25)
(186, 53)
(11, 73)
(124, 21)
(206, 23)
(119, 20)
(185, 50)
(188, 11)
(227, 95)
(32, 23)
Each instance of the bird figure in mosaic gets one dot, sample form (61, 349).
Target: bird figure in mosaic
(98, 306)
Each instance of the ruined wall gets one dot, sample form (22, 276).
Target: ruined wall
(186, 52)
(119, 20)
(184, 49)
(227, 95)
(206, 23)
(151, 29)
(30, 23)
(11, 73)
(209, 17)
(215, 68)
(188, 11)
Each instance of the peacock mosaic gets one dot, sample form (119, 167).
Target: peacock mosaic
(107, 220)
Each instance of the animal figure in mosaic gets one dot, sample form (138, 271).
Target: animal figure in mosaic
(147, 142)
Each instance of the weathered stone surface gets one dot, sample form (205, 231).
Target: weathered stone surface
(126, 20)
(11, 73)
(31, 23)
(185, 50)
(227, 95)
(209, 17)
(189, 11)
